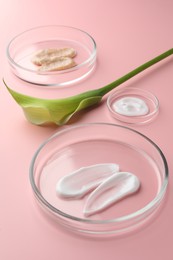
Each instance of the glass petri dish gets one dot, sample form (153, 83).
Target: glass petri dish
(21, 48)
(88, 144)
(150, 100)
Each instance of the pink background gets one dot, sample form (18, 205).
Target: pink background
(127, 34)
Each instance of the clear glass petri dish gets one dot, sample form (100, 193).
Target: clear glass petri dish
(22, 47)
(83, 145)
(150, 100)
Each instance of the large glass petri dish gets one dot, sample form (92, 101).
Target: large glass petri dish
(22, 47)
(83, 145)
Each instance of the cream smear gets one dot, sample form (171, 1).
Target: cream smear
(104, 182)
(130, 106)
(85, 179)
(113, 189)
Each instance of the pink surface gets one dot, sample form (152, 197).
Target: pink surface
(127, 33)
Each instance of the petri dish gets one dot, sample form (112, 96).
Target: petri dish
(83, 145)
(149, 99)
(22, 47)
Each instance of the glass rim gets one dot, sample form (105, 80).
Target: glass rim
(122, 219)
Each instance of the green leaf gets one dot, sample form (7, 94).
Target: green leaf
(59, 111)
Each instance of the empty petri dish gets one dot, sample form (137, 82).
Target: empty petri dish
(89, 144)
(22, 47)
(133, 105)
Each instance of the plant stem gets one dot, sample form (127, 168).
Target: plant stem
(134, 72)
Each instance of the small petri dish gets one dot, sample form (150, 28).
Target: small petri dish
(83, 145)
(142, 96)
(23, 46)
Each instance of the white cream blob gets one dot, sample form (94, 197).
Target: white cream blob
(78, 183)
(113, 189)
(104, 182)
(130, 106)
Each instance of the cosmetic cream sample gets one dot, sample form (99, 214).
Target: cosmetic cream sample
(114, 188)
(130, 106)
(47, 56)
(78, 183)
(61, 64)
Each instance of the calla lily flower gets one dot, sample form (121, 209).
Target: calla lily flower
(59, 111)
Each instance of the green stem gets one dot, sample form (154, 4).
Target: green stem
(109, 87)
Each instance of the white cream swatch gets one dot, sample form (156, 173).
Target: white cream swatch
(114, 188)
(130, 106)
(78, 183)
